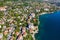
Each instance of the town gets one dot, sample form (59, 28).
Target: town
(20, 20)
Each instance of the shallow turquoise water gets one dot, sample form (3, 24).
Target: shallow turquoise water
(49, 28)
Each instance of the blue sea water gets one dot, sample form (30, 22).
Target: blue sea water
(49, 27)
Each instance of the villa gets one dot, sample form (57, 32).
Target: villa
(31, 26)
(3, 8)
(12, 38)
(46, 9)
(1, 36)
(24, 34)
(20, 37)
(34, 19)
(0, 26)
(31, 30)
(37, 10)
(1, 22)
(17, 33)
(6, 32)
(33, 15)
(4, 27)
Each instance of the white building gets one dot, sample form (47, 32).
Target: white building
(46, 9)
(33, 15)
(1, 35)
(31, 26)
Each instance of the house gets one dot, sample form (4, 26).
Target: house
(6, 32)
(43, 13)
(34, 19)
(4, 27)
(11, 38)
(33, 15)
(30, 17)
(3, 8)
(31, 26)
(24, 34)
(1, 36)
(1, 22)
(22, 19)
(46, 9)
(10, 29)
(0, 26)
(31, 30)
(37, 10)
(17, 33)
(20, 37)
(24, 31)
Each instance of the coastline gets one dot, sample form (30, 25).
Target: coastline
(34, 36)
(24, 19)
(39, 21)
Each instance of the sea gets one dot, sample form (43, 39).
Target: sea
(49, 26)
